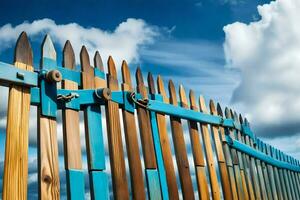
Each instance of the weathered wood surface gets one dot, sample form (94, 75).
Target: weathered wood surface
(209, 153)
(47, 140)
(228, 157)
(202, 181)
(243, 160)
(16, 146)
(225, 180)
(238, 167)
(116, 154)
(71, 117)
(131, 136)
(165, 145)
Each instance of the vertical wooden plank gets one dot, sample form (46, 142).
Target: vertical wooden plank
(180, 149)
(202, 182)
(228, 158)
(120, 186)
(278, 186)
(16, 145)
(227, 194)
(144, 124)
(236, 158)
(147, 139)
(243, 160)
(156, 141)
(266, 175)
(271, 173)
(209, 153)
(286, 180)
(93, 127)
(130, 130)
(290, 176)
(165, 145)
(71, 134)
(47, 140)
(280, 174)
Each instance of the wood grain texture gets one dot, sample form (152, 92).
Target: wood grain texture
(180, 149)
(225, 180)
(244, 159)
(228, 158)
(131, 136)
(71, 117)
(120, 186)
(145, 126)
(209, 153)
(99, 82)
(235, 158)
(202, 182)
(47, 143)
(16, 146)
(165, 145)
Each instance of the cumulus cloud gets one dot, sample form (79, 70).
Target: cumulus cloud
(122, 43)
(267, 54)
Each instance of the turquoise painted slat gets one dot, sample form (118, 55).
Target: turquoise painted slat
(98, 73)
(96, 152)
(153, 184)
(11, 74)
(75, 181)
(159, 158)
(99, 185)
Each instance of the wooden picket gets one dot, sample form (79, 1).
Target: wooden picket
(228, 160)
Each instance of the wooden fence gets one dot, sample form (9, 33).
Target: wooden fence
(226, 160)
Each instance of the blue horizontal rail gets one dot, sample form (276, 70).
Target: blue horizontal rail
(259, 155)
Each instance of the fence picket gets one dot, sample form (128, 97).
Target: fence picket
(198, 155)
(130, 130)
(93, 129)
(180, 149)
(47, 136)
(165, 145)
(220, 156)
(16, 146)
(147, 140)
(240, 137)
(71, 134)
(228, 157)
(117, 162)
(209, 153)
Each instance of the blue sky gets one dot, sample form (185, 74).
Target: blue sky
(227, 50)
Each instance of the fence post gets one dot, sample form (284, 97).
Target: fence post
(16, 146)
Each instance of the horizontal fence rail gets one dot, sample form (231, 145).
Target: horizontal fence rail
(159, 146)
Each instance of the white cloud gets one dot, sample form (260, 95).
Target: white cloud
(122, 43)
(267, 53)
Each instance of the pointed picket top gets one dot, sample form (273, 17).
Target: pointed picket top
(219, 110)
(182, 97)
(212, 107)
(193, 101)
(151, 84)
(23, 51)
(111, 67)
(98, 61)
(126, 74)
(202, 104)
(48, 50)
(139, 76)
(227, 113)
(241, 119)
(236, 117)
(172, 92)
(160, 86)
(68, 56)
(85, 60)
(247, 122)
